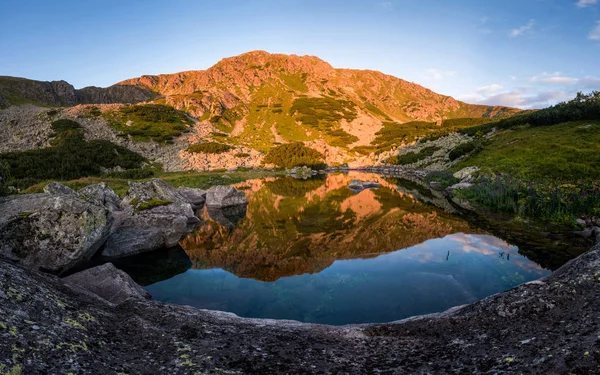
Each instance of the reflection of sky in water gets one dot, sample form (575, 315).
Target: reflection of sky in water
(429, 277)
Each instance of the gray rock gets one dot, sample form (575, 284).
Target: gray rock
(102, 194)
(57, 188)
(580, 222)
(140, 192)
(195, 196)
(459, 186)
(51, 232)
(158, 228)
(225, 196)
(586, 233)
(108, 282)
(436, 185)
(466, 173)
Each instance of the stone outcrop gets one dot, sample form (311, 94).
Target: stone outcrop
(549, 326)
(154, 215)
(225, 196)
(101, 194)
(195, 196)
(107, 282)
(53, 232)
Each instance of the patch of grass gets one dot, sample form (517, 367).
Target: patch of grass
(149, 122)
(208, 148)
(364, 150)
(341, 138)
(64, 125)
(241, 155)
(132, 174)
(564, 152)
(294, 154)
(152, 203)
(322, 113)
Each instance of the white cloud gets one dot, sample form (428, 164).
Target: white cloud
(520, 98)
(595, 32)
(585, 3)
(438, 74)
(589, 83)
(489, 88)
(553, 78)
(519, 31)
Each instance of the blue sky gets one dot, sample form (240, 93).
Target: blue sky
(525, 53)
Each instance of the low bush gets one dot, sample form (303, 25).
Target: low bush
(241, 155)
(64, 125)
(295, 154)
(462, 149)
(209, 148)
(413, 157)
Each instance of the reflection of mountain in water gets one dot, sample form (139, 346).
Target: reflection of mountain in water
(294, 227)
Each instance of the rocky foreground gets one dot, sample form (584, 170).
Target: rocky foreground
(51, 326)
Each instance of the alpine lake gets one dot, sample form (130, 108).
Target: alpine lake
(316, 251)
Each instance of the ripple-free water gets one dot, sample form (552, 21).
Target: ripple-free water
(314, 251)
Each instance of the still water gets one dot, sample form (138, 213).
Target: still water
(315, 251)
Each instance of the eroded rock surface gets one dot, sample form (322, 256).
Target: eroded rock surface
(51, 232)
(550, 326)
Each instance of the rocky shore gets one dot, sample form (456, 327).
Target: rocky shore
(50, 326)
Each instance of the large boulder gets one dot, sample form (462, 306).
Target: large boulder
(140, 192)
(154, 215)
(107, 282)
(51, 232)
(57, 188)
(102, 194)
(225, 196)
(466, 174)
(195, 196)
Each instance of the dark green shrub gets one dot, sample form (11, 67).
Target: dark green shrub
(150, 122)
(241, 155)
(323, 112)
(295, 154)
(64, 125)
(462, 149)
(413, 157)
(209, 148)
(443, 177)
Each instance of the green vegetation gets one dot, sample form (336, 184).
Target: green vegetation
(443, 177)
(564, 152)
(294, 154)
(149, 122)
(340, 138)
(209, 148)
(413, 157)
(152, 203)
(241, 155)
(582, 107)
(322, 113)
(70, 157)
(132, 174)
(552, 203)
(364, 150)
(464, 149)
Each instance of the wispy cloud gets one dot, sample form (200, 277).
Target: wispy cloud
(438, 74)
(522, 98)
(489, 88)
(523, 29)
(385, 5)
(553, 78)
(595, 32)
(585, 3)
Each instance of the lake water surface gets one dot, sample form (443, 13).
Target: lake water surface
(315, 251)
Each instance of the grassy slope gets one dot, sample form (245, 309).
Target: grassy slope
(559, 152)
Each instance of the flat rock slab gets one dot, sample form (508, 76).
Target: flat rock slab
(549, 326)
(107, 282)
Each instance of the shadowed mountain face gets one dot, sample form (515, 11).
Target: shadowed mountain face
(15, 90)
(293, 227)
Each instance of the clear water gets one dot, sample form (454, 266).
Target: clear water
(314, 251)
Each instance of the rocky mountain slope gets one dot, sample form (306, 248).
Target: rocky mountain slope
(257, 100)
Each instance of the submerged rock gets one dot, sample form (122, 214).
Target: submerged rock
(51, 232)
(107, 282)
(225, 196)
